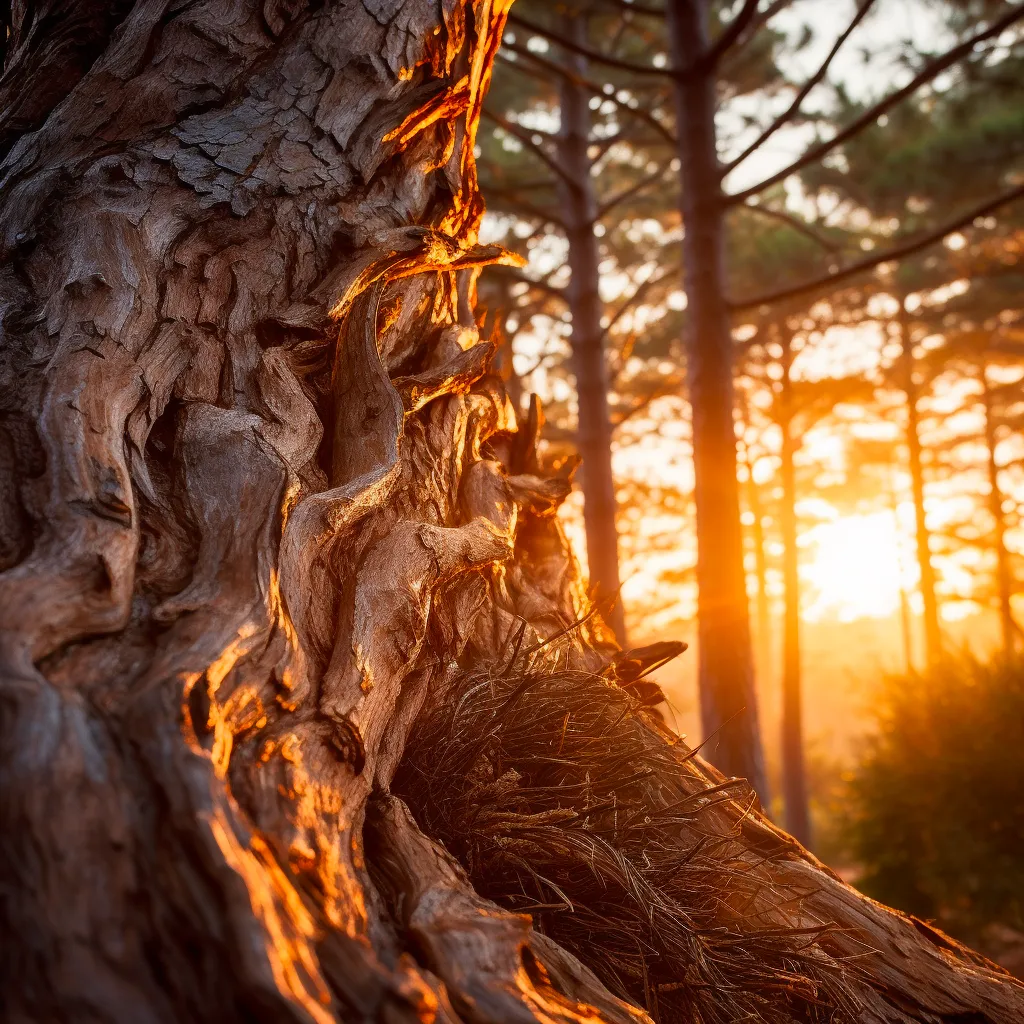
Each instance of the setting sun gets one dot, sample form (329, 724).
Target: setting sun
(854, 568)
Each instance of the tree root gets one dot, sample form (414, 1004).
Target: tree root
(565, 799)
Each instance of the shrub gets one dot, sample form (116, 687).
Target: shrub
(936, 810)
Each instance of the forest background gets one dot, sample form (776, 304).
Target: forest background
(866, 167)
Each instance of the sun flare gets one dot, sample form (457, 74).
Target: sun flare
(853, 567)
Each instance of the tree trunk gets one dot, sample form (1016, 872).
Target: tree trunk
(594, 427)
(285, 603)
(728, 700)
(1004, 579)
(763, 630)
(906, 630)
(932, 632)
(794, 773)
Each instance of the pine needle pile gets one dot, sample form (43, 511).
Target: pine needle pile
(565, 799)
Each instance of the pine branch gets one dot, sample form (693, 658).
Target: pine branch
(670, 385)
(542, 284)
(730, 35)
(897, 252)
(759, 23)
(628, 193)
(794, 222)
(794, 108)
(638, 293)
(590, 86)
(930, 71)
(603, 145)
(525, 137)
(524, 207)
(625, 5)
(513, 187)
(584, 51)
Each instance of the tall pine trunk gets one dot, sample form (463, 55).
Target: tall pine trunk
(926, 570)
(794, 773)
(728, 700)
(763, 629)
(1004, 575)
(284, 603)
(594, 428)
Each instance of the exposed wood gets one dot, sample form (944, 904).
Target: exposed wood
(266, 513)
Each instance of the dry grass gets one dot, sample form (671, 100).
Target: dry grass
(565, 799)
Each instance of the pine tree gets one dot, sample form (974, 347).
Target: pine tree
(304, 718)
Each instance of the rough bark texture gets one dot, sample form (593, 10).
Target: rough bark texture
(728, 700)
(266, 515)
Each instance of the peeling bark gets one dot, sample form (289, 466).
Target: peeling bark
(265, 511)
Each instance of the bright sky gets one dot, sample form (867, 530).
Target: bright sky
(879, 33)
(857, 556)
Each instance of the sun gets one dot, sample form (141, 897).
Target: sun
(853, 568)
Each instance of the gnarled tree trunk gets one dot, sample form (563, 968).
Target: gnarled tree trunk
(284, 605)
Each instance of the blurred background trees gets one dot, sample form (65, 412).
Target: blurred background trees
(931, 813)
(773, 297)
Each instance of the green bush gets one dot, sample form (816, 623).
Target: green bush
(935, 816)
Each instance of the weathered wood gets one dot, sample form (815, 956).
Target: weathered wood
(264, 510)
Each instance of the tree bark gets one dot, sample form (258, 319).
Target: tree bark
(794, 772)
(266, 516)
(728, 700)
(594, 427)
(932, 632)
(1004, 576)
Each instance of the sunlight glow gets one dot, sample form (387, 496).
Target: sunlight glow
(855, 568)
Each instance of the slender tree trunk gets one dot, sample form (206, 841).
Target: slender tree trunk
(794, 772)
(763, 631)
(728, 699)
(285, 605)
(594, 430)
(932, 632)
(905, 622)
(1004, 579)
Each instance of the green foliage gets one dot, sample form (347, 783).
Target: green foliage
(947, 147)
(936, 805)
(784, 252)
